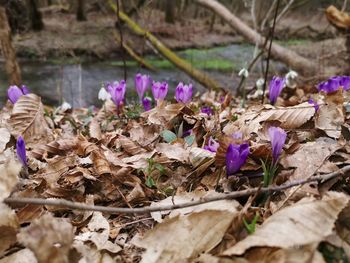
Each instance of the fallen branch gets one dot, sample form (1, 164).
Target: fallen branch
(148, 209)
(196, 74)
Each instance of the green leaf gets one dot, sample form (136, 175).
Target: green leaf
(150, 182)
(251, 227)
(160, 168)
(168, 136)
(190, 139)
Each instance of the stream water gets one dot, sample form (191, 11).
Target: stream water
(79, 83)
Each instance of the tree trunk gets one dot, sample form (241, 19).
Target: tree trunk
(170, 11)
(197, 75)
(81, 11)
(35, 16)
(292, 59)
(12, 68)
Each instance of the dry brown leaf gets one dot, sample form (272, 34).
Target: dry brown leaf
(145, 134)
(59, 147)
(21, 256)
(199, 156)
(130, 146)
(5, 137)
(173, 151)
(8, 227)
(310, 157)
(9, 171)
(27, 119)
(98, 234)
(329, 118)
(161, 115)
(339, 19)
(101, 165)
(95, 129)
(309, 220)
(49, 238)
(184, 237)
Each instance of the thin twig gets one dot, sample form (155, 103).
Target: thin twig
(148, 209)
(269, 52)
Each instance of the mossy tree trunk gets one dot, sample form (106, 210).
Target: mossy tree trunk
(170, 8)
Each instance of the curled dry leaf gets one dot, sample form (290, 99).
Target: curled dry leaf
(310, 157)
(27, 119)
(8, 227)
(162, 115)
(130, 146)
(190, 236)
(59, 147)
(5, 137)
(9, 171)
(173, 151)
(98, 233)
(21, 256)
(330, 118)
(302, 219)
(49, 238)
(95, 129)
(100, 163)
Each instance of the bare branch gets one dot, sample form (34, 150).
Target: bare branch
(148, 209)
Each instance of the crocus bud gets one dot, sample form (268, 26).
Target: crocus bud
(103, 94)
(159, 90)
(117, 91)
(236, 156)
(278, 138)
(212, 145)
(14, 93)
(314, 103)
(141, 83)
(275, 88)
(207, 110)
(21, 150)
(183, 93)
(147, 103)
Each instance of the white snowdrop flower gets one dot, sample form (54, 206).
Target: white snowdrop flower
(260, 83)
(103, 94)
(258, 93)
(243, 72)
(291, 77)
(65, 106)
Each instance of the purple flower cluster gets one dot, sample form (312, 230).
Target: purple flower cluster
(159, 90)
(207, 110)
(334, 83)
(14, 92)
(212, 145)
(117, 91)
(275, 87)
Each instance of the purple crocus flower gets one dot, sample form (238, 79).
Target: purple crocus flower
(14, 93)
(147, 103)
(159, 90)
(278, 138)
(141, 83)
(314, 103)
(275, 87)
(344, 81)
(207, 110)
(331, 85)
(183, 93)
(187, 133)
(212, 145)
(236, 156)
(117, 91)
(21, 150)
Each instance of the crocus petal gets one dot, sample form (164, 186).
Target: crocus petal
(212, 145)
(117, 91)
(21, 150)
(314, 103)
(345, 82)
(14, 93)
(147, 103)
(183, 93)
(207, 110)
(236, 156)
(141, 83)
(275, 88)
(278, 138)
(24, 89)
(159, 90)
